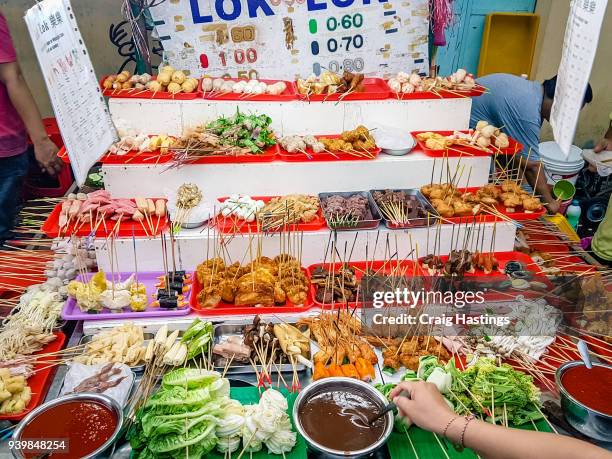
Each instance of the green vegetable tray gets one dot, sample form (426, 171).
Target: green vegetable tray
(250, 396)
(424, 442)
(426, 445)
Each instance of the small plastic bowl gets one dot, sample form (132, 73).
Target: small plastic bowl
(564, 190)
(396, 152)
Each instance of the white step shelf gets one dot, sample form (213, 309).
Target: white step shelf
(191, 245)
(296, 117)
(279, 178)
(191, 248)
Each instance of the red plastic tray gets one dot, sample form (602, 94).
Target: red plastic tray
(458, 150)
(145, 94)
(380, 267)
(375, 89)
(154, 157)
(442, 94)
(598, 346)
(126, 228)
(63, 155)
(502, 258)
(267, 156)
(230, 309)
(574, 264)
(232, 224)
(287, 94)
(41, 380)
(542, 246)
(516, 216)
(548, 363)
(284, 155)
(137, 157)
(22, 269)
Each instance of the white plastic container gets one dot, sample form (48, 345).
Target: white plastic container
(556, 166)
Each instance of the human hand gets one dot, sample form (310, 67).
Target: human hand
(553, 207)
(45, 152)
(423, 405)
(603, 145)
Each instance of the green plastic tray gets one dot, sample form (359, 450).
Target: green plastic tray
(399, 446)
(427, 446)
(250, 396)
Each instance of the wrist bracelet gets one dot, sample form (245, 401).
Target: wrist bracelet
(468, 419)
(448, 425)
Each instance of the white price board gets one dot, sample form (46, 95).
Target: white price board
(283, 39)
(82, 114)
(579, 48)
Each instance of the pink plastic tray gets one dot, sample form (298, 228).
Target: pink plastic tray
(72, 311)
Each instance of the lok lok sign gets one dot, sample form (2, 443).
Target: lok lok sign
(283, 39)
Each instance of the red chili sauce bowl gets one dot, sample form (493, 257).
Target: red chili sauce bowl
(75, 426)
(586, 398)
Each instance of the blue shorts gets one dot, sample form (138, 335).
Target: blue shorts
(13, 171)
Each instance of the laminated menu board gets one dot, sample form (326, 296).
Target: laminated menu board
(579, 47)
(281, 39)
(80, 110)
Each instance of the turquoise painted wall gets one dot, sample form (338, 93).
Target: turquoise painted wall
(464, 37)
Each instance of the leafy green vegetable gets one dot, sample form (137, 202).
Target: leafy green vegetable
(385, 389)
(410, 376)
(180, 419)
(190, 378)
(511, 393)
(441, 379)
(245, 131)
(220, 388)
(196, 328)
(203, 432)
(427, 364)
(179, 396)
(197, 338)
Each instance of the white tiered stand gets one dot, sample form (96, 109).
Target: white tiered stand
(172, 117)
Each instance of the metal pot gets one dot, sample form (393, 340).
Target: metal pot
(341, 384)
(586, 420)
(100, 398)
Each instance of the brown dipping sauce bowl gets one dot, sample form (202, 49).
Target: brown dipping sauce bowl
(342, 385)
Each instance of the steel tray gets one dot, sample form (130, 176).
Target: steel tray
(222, 332)
(137, 368)
(414, 222)
(364, 224)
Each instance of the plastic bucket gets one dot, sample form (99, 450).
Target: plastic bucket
(556, 166)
